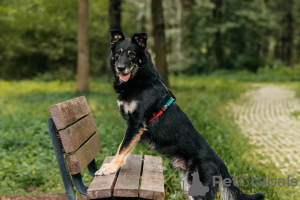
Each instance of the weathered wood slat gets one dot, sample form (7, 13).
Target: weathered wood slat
(152, 186)
(83, 156)
(68, 112)
(128, 181)
(102, 186)
(76, 134)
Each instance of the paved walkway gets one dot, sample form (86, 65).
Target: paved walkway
(270, 116)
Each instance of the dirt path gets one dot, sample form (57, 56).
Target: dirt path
(270, 116)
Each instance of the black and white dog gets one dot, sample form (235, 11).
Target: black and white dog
(151, 116)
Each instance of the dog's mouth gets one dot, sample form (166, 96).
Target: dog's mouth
(127, 73)
(124, 77)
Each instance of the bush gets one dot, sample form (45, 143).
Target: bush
(264, 74)
(62, 74)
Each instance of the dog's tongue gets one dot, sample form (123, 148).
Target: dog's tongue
(124, 77)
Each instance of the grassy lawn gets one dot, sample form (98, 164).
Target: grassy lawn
(27, 158)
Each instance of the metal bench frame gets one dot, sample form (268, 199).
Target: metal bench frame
(65, 175)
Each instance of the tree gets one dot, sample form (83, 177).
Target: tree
(114, 23)
(115, 14)
(83, 70)
(186, 51)
(159, 39)
(217, 18)
(289, 33)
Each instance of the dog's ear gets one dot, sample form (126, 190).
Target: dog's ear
(115, 36)
(140, 39)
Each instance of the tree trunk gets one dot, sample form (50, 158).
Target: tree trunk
(83, 69)
(290, 34)
(277, 49)
(265, 50)
(186, 43)
(283, 47)
(114, 23)
(141, 16)
(217, 16)
(159, 40)
(186, 6)
(298, 51)
(115, 14)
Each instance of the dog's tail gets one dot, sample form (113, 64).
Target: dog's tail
(230, 192)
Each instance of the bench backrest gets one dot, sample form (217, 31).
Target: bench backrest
(77, 131)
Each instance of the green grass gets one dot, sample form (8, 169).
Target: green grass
(27, 158)
(295, 114)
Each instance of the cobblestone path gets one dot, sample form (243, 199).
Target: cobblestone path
(270, 116)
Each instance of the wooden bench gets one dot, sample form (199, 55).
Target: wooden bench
(75, 141)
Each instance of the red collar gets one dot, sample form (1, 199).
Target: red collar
(163, 109)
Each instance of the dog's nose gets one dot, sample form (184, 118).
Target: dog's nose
(121, 67)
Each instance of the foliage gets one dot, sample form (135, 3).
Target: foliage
(40, 36)
(265, 74)
(242, 34)
(27, 158)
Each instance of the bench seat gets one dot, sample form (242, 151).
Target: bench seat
(139, 177)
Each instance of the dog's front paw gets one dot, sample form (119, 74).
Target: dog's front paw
(107, 169)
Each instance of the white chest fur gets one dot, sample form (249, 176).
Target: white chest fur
(129, 107)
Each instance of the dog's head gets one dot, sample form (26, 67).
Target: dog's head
(127, 54)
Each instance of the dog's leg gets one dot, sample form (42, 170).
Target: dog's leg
(210, 169)
(126, 146)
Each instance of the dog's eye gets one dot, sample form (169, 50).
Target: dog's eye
(118, 52)
(131, 55)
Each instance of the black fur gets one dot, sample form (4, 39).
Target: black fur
(171, 134)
